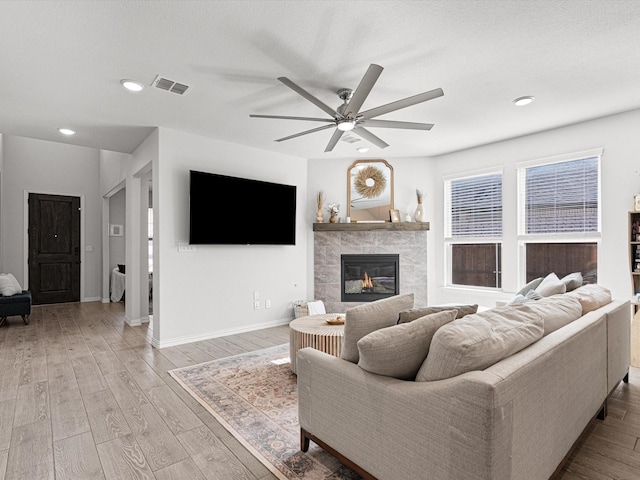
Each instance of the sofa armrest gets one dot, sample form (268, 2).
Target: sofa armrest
(448, 427)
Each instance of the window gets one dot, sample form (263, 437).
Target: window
(473, 219)
(559, 217)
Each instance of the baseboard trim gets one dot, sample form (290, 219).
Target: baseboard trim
(172, 342)
(90, 299)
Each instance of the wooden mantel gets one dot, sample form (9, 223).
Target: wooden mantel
(367, 227)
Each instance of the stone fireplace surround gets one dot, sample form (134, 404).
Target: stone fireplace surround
(330, 240)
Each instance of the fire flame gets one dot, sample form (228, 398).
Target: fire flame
(367, 282)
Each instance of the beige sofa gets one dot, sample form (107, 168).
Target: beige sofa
(516, 419)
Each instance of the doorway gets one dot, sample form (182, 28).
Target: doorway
(54, 248)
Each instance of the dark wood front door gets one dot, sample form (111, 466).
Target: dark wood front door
(54, 248)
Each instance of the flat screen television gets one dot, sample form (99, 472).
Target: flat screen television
(226, 210)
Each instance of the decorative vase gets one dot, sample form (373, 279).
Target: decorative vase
(419, 215)
(333, 218)
(319, 216)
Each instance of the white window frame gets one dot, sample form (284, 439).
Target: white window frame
(450, 240)
(574, 237)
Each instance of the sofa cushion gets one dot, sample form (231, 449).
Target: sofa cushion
(399, 350)
(9, 285)
(530, 286)
(414, 313)
(557, 311)
(572, 281)
(551, 285)
(369, 317)
(591, 297)
(477, 341)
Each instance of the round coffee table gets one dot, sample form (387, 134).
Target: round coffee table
(314, 331)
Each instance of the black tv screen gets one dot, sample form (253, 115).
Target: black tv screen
(239, 211)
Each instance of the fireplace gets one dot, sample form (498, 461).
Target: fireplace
(365, 278)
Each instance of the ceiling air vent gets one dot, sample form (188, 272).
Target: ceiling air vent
(349, 139)
(169, 85)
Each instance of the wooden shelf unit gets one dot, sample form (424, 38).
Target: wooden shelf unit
(634, 250)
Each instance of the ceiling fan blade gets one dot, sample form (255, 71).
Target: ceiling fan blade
(323, 106)
(334, 139)
(324, 127)
(362, 90)
(406, 102)
(393, 124)
(310, 119)
(367, 135)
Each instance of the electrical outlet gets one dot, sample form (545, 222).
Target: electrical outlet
(267, 304)
(256, 295)
(256, 305)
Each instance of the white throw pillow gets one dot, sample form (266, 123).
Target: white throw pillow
(551, 285)
(9, 285)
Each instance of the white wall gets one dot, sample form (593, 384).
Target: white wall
(116, 216)
(49, 167)
(209, 292)
(2, 229)
(616, 135)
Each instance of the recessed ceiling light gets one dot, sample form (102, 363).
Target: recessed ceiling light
(66, 131)
(522, 101)
(363, 149)
(132, 85)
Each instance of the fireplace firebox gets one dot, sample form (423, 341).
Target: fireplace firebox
(366, 278)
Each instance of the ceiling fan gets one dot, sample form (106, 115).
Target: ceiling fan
(348, 117)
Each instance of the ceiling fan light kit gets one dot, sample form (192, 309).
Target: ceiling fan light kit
(348, 117)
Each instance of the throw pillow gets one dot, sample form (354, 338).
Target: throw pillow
(414, 313)
(530, 286)
(399, 350)
(533, 295)
(9, 285)
(518, 299)
(477, 341)
(551, 285)
(572, 281)
(369, 317)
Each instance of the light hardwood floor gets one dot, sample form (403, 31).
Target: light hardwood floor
(84, 396)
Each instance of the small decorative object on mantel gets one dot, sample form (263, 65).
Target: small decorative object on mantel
(407, 217)
(334, 210)
(394, 215)
(320, 203)
(419, 214)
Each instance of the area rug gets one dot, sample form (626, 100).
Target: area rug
(255, 397)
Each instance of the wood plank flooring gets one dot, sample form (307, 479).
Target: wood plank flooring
(84, 396)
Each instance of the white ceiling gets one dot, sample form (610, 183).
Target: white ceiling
(61, 63)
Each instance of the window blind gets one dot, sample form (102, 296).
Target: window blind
(560, 197)
(474, 206)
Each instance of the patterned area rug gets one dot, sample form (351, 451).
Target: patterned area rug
(255, 397)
